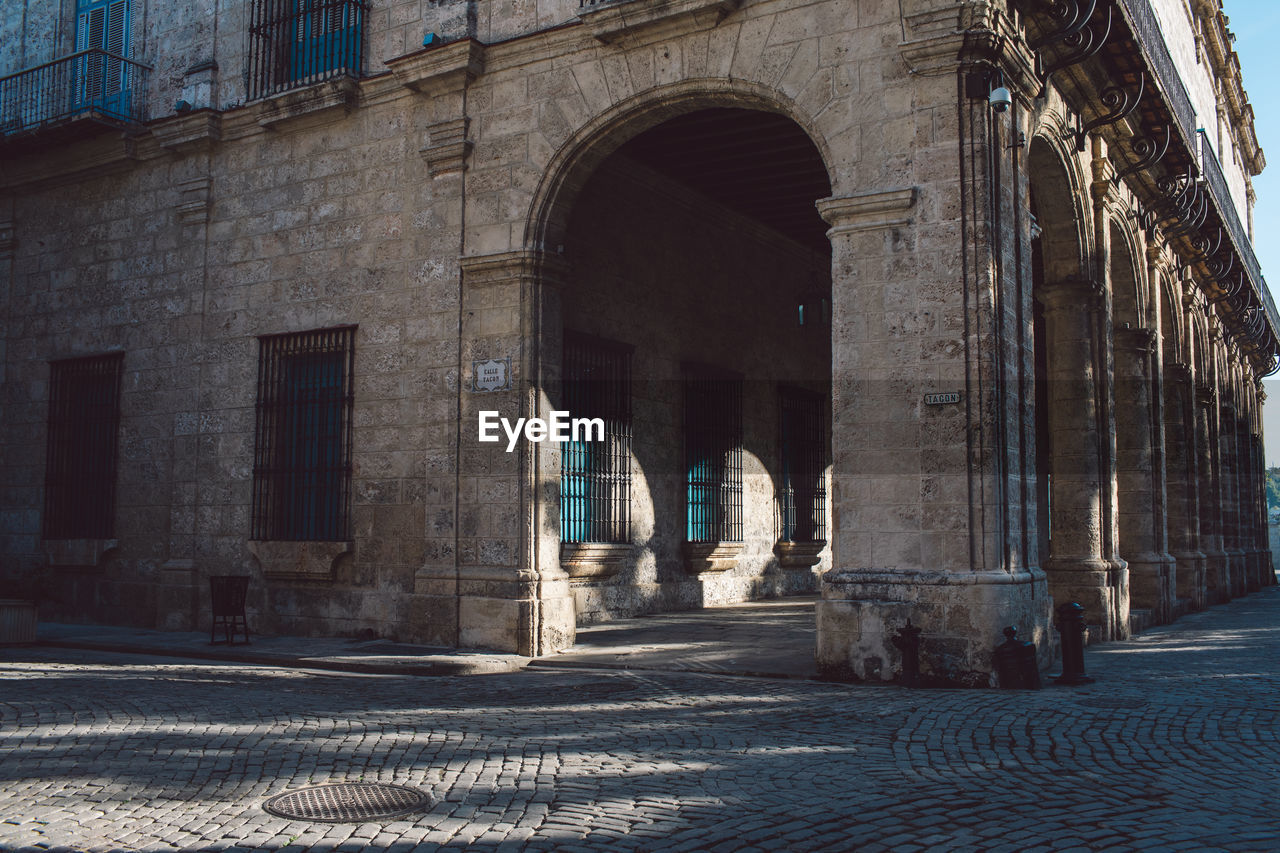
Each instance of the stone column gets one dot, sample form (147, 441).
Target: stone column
(1183, 499)
(1139, 475)
(1210, 499)
(511, 593)
(908, 527)
(1249, 500)
(1229, 467)
(1078, 567)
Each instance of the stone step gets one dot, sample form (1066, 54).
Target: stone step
(1140, 620)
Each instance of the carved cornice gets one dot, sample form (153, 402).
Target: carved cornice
(440, 69)
(609, 22)
(189, 132)
(506, 267)
(447, 146)
(193, 208)
(325, 101)
(867, 211)
(941, 35)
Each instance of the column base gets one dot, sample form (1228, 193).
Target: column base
(1190, 578)
(1098, 585)
(1237, 572)
(1216, 587)
(495, 609)
(177, 596)
(961, 614)
(1256, 579)
(1152, 585)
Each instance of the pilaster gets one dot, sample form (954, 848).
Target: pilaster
(909, 532)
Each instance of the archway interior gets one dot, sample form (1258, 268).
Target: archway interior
(692, 249)
(1134, 412)
(1055, 257)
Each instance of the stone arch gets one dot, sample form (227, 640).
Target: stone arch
(1057, 184)
(1173, 326)
(1128, 291)
(577, 159)
(578, 291)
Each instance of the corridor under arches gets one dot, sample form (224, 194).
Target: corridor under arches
(695, 320)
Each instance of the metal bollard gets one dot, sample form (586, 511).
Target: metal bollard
(1015, 661)
(1071, 627)
(908, 642)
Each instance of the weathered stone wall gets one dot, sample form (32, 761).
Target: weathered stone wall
(181, 263)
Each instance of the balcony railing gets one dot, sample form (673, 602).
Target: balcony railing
(91, 83)
(1220, 192)
(1150, 38)
(297, 43)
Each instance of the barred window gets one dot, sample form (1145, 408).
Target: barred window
(803, 494)
(713, 454)
(595, 476)
(302, 454)
(299, 42)
(84, 424)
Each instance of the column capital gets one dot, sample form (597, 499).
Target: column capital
(1206, 394)
(867, 211)
(505, 267)
(1139, 339)
(1074, 290)
(440, 69)
(1177, 371)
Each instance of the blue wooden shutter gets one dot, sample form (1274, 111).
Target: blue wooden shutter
(101, 81)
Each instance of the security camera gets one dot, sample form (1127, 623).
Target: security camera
(1000, 99)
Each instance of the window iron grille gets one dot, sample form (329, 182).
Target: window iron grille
(595, 475)
(84, 425)
(713, 455)
(302, 453)
(300, 42)
(802, 440)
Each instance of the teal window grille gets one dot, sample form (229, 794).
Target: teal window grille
(595, 475)
(302, 453)
(80, 470)
(802, 445)
(299, 42)
(713, 455)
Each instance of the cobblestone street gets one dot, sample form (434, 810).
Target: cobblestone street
(1174, 748)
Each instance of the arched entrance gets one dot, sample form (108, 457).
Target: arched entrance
(1075, 491)
(690, 315)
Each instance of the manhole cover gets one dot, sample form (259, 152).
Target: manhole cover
(347, 802)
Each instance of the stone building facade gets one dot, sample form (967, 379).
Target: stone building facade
(945, 309)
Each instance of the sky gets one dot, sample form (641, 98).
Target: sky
(1256, 24)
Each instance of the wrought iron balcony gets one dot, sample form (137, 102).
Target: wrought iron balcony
(91, 84)
(1150, 37)
(1220, 192)
(296, 43)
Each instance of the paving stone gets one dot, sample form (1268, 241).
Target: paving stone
(113, 751)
